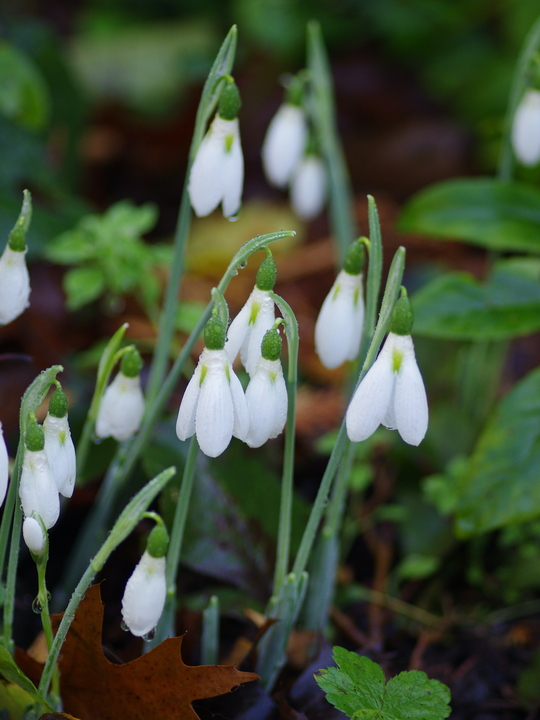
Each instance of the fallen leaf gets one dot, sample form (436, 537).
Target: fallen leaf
(51, 716)
(155, 685)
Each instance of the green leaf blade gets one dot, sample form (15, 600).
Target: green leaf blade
(502, 216)
(413, 695)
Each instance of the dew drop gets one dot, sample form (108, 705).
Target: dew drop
(37, 607)
(124, 626)
(232, 218)
(243, 265)
(149, 635)
(96, 440)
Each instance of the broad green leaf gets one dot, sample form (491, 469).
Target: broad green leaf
(457, 306)
(24, 98)
(500, 484)
(357, 687)
(498, 215)
(83, 285)
(10, 671)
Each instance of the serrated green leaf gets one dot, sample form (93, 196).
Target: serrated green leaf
(357, 687)
(82, 286)
(457, 306)
(484, 211)
(500, 483)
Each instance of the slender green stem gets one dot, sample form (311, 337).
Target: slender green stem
(222, 66)
(285, 510)
(519, 83)
(390, 296)
(13, 559)
(210, 633)
(342, 217)
(43, 600)
(180, 517)
(129, 452)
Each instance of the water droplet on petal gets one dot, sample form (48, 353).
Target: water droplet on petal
(96, 440)
(124, 626)
(233, 218)
(149, 635)
(37, 607)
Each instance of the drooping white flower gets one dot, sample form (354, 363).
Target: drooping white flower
(526, 128)
(217, 173)
(59, 444)
(33, 535)
(338, 330)
(122, 405)
(144, 596)
(214, 405)
(37, 488)
(14, 285)
(284, 144)
(392, 394)
(266, 398)
(247, 330)
(308, 187)
(4, 466)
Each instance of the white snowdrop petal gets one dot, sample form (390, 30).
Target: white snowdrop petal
(410, 404)
(144, 595)
(214, 420)
(4, 466)
(233, 174)
(121, 409)
(33, 535)
(14, 285)
(284, 144)
(338, 330)
(263, 322)
(60, 453)
(206, 178)
(185, 422)
(237, 331)
(241, 415)
(308, 187)
(526, 129)
(266, 398)
(370, 401)
(37, 488)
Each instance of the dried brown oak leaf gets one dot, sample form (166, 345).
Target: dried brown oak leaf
(155, 685)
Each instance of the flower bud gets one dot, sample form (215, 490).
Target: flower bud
(33, 535)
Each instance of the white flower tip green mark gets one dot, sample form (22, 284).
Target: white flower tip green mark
(14, 277)
(247, 330)
(266, 394)
(146, 589)
(526, 128)
(217, 173)
(214, 405)
(338, 330)
(59, 445)
(392, 393)
(122, 405)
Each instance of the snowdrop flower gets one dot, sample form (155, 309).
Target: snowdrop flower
(214, 405)
(338, 330)
(266, 394)
(34, 536)
(14, 278)
(284, 144)
(526, 128)
(37, 488)
(308, 187)
(217, 173)
(4, 466)
(59, 445)
(254, 319)
(122, 405)
(392, 392)
(146, 589)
